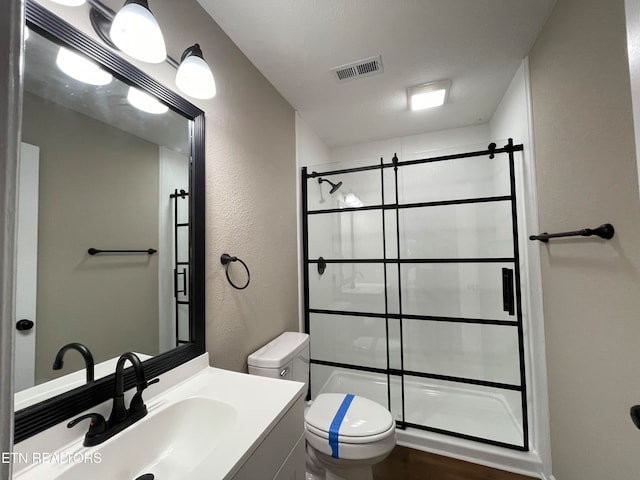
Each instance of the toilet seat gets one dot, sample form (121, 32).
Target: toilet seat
(367, 429)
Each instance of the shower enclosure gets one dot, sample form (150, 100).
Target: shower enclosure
(412, 291)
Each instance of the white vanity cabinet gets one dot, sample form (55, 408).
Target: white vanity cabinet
(281, 455)
(203, 423)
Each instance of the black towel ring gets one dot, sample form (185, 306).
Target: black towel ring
(226, 259)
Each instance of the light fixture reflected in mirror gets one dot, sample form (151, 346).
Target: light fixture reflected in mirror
(145, 102)
(80, 68)
(194, 76)
(351, 200)
(136, 32)
(70, 3)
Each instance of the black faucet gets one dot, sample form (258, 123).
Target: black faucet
(120, 418)
(84, 351)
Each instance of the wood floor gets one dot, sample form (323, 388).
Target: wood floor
(409, 464)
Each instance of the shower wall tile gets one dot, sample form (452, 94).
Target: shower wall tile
(479, 230)
(474, 351)
(346, 235)
(466, 290)
(452, 180)
(356, 287)
(350, 340)
(366, 186)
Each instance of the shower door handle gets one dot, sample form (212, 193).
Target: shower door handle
(507, 291)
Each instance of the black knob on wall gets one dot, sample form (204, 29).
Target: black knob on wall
(24, 324)
(635, 415)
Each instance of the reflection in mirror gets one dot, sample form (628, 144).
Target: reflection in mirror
(99, 170)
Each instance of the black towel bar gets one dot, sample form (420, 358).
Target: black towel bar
(605, 231)
(95, 251)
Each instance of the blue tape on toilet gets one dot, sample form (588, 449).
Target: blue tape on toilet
(335, 424)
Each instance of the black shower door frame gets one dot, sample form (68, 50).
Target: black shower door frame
(515, 308)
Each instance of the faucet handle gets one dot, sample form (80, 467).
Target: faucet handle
(151, 382)
(97, 425)
(137, 403)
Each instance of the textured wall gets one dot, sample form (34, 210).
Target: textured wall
(586, 174)
(251, 175)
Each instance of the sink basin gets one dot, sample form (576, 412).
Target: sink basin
(169, 442)
(204, 426)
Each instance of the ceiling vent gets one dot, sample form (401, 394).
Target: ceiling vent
(359, 69)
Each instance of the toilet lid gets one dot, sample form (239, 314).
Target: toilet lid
(359, 418)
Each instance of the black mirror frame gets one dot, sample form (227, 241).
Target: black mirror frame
(43, 415)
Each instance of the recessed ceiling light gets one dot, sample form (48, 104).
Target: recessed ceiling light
(145, 102)
(81, 68)
(428, 95)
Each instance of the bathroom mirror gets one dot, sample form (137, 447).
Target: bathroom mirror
(100, 171)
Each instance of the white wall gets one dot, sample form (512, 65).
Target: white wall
(586, 170)
(512, 119)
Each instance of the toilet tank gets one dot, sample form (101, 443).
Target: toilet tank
(286, 356)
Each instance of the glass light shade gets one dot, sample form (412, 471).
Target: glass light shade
(81, 68)
(70, 3)
(428, 95)
(135, 31)
(195, 79)
(351, 200)
(145, 102)
(421, 101)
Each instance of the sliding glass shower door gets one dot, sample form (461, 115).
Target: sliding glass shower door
(412, 291)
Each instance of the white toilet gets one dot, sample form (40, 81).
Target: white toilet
(346, 434)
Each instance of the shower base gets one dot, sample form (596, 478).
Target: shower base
(456, 409)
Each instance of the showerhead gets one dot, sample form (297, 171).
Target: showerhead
(334, 186)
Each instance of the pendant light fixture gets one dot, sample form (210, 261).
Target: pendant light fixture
(194, 76)
(136, 32)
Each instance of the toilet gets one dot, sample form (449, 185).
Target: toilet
(346, 434)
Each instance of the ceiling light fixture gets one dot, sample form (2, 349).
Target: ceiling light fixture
(194, 76)
(81, 68)
(136, 32)
(428, 95)
(145, 102)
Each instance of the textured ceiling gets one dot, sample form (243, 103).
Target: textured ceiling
(477, 44)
